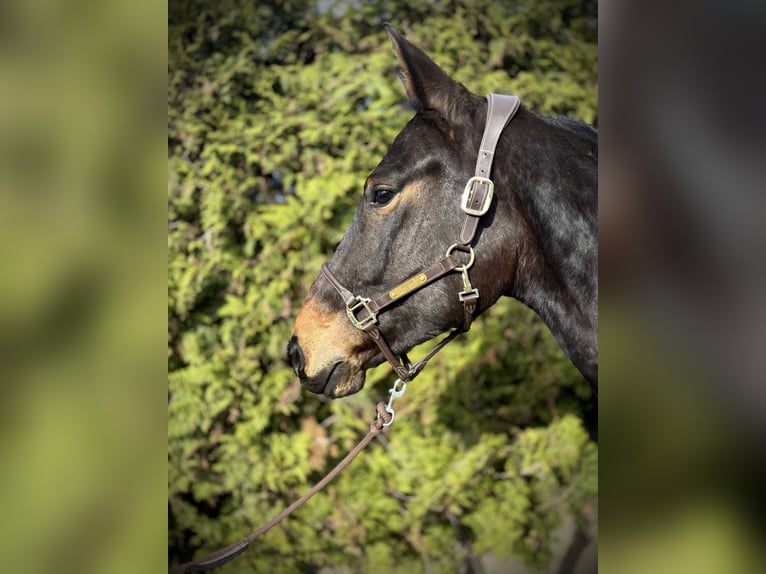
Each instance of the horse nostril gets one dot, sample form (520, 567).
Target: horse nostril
(295, 355)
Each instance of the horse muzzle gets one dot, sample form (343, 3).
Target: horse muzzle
(334, 380)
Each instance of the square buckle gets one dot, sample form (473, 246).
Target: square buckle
(467, 192)
(470, 294)
(363, 304)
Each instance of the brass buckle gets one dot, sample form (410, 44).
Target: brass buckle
(467, 192)
(371, 317)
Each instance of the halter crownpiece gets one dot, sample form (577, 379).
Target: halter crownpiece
(477, 196)
(475, 201)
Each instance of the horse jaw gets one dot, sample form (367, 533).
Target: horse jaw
(348, 381)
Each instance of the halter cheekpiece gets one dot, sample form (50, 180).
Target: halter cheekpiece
(475, 202)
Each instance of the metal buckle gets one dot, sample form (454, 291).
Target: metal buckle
(371, 317)
(463, 294)
(464, 201)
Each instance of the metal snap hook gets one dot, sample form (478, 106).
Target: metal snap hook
(396, 391)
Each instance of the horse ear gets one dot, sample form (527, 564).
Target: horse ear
(425, 83)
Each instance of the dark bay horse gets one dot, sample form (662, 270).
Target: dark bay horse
(536, 242)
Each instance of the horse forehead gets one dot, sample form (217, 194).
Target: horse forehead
(420, 146)
(421, 131)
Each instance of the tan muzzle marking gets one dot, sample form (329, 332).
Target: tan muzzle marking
(325, 337)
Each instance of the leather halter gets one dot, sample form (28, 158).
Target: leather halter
(476, 200)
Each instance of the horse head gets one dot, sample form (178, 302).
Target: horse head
(409, 216)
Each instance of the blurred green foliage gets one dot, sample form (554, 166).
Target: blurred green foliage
(82, 329)
(275, 117)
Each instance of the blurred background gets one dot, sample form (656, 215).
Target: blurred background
(682, 250)
(119, 452)
(83, 392)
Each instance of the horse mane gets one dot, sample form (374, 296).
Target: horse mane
(551, 172)
(574, 127)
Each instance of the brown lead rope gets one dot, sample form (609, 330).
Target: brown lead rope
(380, 425)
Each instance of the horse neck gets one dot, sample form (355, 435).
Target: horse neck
(552, 173)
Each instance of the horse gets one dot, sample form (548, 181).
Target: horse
(532, 225)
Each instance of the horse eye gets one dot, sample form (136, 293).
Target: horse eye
(382, 196)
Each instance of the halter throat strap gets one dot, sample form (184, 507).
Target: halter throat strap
(475, 202)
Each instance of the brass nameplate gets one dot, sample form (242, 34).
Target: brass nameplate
(409, 285)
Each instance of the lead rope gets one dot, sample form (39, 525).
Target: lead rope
(381, 424)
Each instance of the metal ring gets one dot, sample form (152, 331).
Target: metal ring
(390, 411)
(468, 265)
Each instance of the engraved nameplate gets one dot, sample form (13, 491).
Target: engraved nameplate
(408, 286)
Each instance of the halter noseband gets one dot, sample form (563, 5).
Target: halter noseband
(476, 200)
